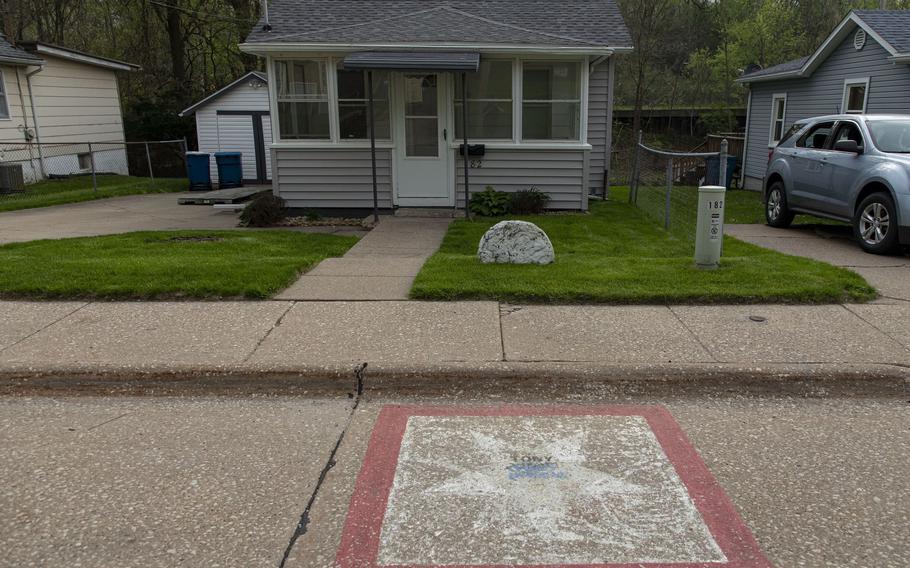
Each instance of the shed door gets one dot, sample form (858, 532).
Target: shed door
(235, 134)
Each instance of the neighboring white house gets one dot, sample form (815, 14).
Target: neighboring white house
(539, 95)
(53, 101)
(236, 119)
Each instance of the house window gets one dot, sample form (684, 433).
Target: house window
(353, 111)
(778, 116)
(85, 161)
(303, 100)
(856, 93)
(4, 105)
(551, 101)
(489, 102)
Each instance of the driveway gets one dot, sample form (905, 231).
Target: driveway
(833, 244)
(156, 212)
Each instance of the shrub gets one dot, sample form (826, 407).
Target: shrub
(263, 211)
(529, 202)
(490, 203)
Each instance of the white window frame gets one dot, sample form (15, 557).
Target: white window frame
(855, 82)
(332, 102)
(4, 94)
(457, 95)
(582, 101)
(775, 98)
(335, 107)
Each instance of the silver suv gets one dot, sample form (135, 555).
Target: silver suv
(849, 167)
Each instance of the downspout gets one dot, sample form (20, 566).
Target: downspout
(25, 134)
(608, 150)
(31, 98)
(742, 166)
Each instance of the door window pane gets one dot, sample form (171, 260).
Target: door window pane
(303, 100)
(353, 113)
(551, 106)
(421, 116)
(489, 102)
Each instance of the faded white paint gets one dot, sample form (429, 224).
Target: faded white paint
(539, 491)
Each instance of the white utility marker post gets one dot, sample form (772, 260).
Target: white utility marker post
(709, 236)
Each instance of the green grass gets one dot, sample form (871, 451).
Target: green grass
(617, 255)
(164, 265)
(75, 189)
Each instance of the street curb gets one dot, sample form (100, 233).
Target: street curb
(491, 379)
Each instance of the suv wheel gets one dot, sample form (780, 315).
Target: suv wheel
(875, 224)
(777, 214)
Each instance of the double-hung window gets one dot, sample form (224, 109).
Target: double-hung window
(4, 105)
(551, 100)
(489, 102)
(778, 117)
(856, 93)
(353, 105)
(303, 100)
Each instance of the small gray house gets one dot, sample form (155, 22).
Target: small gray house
(539, 97)
(862, 67)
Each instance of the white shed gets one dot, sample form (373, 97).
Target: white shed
(236, 119)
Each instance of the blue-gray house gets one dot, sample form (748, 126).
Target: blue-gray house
(862, 67)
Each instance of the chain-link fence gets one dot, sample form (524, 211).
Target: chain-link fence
(28, 170)
(664, 184)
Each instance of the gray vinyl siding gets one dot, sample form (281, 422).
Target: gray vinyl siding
(822, 93)
(560, 173)
(597, 124)
(330, 177)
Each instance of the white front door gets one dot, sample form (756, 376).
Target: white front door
(422, 153)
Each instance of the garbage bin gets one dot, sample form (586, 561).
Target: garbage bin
(197, 170)
(230, 170)
(712, 173)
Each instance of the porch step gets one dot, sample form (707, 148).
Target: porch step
(429, 212)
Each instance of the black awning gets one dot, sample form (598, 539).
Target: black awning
(406, 60)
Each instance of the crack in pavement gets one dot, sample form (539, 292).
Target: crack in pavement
(36, 332)
(303, 523)
(269, 332)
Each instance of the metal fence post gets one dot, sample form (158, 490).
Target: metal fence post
(722, 175)
(669, 191)
(91, 158)
(148, 157)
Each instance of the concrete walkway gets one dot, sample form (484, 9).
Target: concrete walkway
(314, 338)
(833, 244)
(382, 266)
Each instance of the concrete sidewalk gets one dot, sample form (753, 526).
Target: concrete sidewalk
(381, 266)
(248, 339)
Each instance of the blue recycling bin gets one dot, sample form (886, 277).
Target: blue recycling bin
(230, 169)
(197, 170)
(712, 170)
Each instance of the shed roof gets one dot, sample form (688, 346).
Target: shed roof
(566, 23)
(225, 90)
(890, 28)
(13, 55)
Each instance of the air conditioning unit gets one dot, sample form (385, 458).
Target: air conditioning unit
(11, 178)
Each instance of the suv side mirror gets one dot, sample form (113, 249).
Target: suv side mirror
(848, 146)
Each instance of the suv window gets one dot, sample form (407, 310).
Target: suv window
(817, 136)
(848, 131)
(797, 126)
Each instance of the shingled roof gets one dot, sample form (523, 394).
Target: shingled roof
(13, 55)
(564, 23)
(891, 28)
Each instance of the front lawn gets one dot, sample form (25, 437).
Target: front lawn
(163, 265)
(72, 190)
(617, 255)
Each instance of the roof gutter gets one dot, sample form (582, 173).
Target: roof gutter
(23, 62)
(267, 48)
(795, 74)
(901, 58)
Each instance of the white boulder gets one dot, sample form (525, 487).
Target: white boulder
(515, 242)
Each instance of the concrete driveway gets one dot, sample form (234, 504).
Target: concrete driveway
(833, 244)
(156, 212)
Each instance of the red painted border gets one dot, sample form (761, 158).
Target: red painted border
(360, 539)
